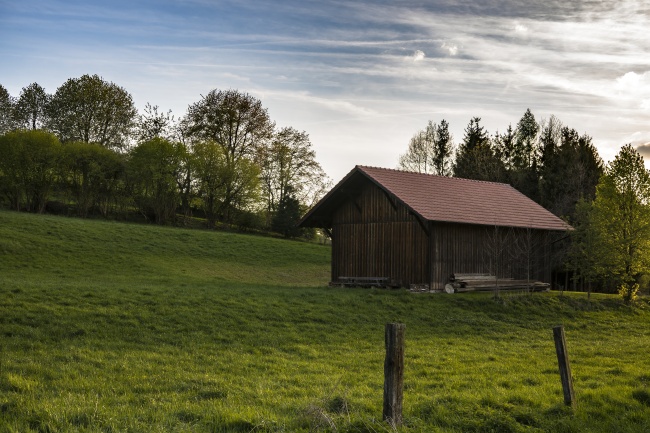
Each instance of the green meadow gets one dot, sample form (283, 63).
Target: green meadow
(114, 327)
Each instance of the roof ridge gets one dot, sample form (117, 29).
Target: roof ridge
(435, 175)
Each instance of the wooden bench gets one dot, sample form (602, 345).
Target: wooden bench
(361, 282)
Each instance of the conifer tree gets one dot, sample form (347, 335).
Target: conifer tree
(287, 216)
(476, 159)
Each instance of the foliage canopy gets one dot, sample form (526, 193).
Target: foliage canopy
(92, 110)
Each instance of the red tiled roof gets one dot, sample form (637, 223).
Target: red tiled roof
(452, 199)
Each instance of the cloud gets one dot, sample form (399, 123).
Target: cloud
(631, 82)
(521, 29)
(450, 48)
(635, 89)
(418, 55)
(644, 150)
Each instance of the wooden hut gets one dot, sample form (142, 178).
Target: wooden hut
(405, 228)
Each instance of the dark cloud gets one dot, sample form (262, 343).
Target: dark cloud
(644, 150)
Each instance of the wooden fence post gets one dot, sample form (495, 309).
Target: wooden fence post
(565, 367)
(394, 373)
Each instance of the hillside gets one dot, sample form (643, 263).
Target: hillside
(117, 327)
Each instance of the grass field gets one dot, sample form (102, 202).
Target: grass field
(110, 327)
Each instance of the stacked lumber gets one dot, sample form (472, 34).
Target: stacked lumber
(459, 283)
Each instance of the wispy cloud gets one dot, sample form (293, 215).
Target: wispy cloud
(339, 107)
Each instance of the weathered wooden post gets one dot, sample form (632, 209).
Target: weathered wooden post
(394, 373)
(565, 367)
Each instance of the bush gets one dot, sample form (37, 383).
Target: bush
(629, 293)
(28, 168)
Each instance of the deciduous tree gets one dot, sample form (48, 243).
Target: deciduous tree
(211, 173)
(241, 126)
(6, 110)
(621, 218)
(236, 121)
(154, 167)
(288, 163)
(28, 168)
(30, 108)
(429, 151)
(152, 124)
(419, 155)
(221, 184)
(91, 174)
(92, 110)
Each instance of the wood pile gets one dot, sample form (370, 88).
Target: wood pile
(459, 283)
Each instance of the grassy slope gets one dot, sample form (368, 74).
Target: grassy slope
(116, 327)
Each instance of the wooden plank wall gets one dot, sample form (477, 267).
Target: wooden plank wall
(465, 248)
(373, 237)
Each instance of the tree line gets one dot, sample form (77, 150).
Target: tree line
(607, 205)
(86, 149)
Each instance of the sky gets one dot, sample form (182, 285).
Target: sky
(360, 77)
